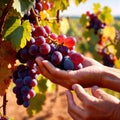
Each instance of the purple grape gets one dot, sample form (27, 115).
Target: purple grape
(24, 53)
(45, 49)
(64, 50)
(19, 82)
(40, 40)
(27, 80)
(39, 31)
(68, 64)
(56, 58)
(33, 50)
(26, 103)
(25, 90)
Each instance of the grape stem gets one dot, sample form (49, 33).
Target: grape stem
(3, 17)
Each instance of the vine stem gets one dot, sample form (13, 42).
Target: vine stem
(4, 104)
(3, 17)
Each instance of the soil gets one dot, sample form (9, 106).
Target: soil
(53, 109)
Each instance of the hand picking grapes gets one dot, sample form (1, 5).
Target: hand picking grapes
(99, 106)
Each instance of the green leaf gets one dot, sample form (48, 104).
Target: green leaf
(83, 20)
(22, 6)
(15, 32)
(36, 104)
(26, 33)
(106, 15)
(41, 87)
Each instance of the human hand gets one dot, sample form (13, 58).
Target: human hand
(100, 106)
(88, 76)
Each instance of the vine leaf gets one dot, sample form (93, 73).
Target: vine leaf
(22, 6)
(36, 104)
(15, 32)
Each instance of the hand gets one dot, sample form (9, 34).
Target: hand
(100, 106)
(89, 75)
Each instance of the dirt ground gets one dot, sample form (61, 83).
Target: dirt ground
(52, 110)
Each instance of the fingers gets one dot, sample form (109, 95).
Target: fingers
(75, 111)
(98, 93)
(82, 95)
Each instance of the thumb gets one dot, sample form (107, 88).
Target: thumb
(98, 93)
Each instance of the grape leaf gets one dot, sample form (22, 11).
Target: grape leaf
(22, 6)
(15, 32)
(83, 20)
(36, 104)
(77, 2)
(41, 87)
(106, 15)
(109, 32)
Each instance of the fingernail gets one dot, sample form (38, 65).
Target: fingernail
(39, 59)
(74, 86)
(95, 87)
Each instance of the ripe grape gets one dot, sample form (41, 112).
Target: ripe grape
(39, 31)
(40, 40)
(70, 42)
(44, 49)
(56, 58)
(33, 50)
(61, 38)
(68, 64)
(76, 58)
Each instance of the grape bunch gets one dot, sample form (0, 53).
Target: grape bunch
(58, 49)
(94, 22)
(40, 5)
(24, 79)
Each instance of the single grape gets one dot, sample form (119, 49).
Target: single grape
(76, 58)
(39, 6)
(32, 93)
(25, 90)
(39, 31)
(70, 41)
(33, 50)
(56, 58)
(33, 83)
(27, 80)
(40, 40)
(53, 36)
(64, 50)
(26, 103)
(47, 29)
(61, 38)
(19, 82)
(44, 49)
(68, 64)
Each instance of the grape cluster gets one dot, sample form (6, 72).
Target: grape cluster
(40, 5)
(94, 22)
(58, 49)
(24, 79)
